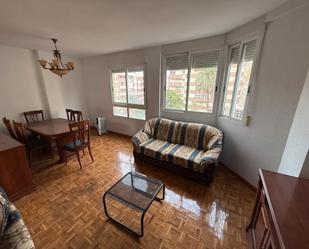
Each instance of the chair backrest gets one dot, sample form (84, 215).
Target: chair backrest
(20, 132)
(34, 116)
(77, 116)
(69, 113)
(81, 131)
(8, 125)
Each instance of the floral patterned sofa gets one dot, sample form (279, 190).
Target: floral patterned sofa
(191, 149)
(13, 231)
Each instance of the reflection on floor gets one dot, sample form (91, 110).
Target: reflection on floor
(65, 211)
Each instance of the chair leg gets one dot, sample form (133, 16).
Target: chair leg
(78, 158)
(50, 150)
(29, 157)
(83, 152)
(90, 153)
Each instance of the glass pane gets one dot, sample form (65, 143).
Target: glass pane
(119, 87)
(230, 81)
(202, 89)
(244, 80)
(136, 87)
(176, 89)
(120, 111)
(137, 113)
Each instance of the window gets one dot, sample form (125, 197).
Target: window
(128, 93)
(238, 77)
(190, 82)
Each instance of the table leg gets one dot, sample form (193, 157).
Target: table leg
(140, 234)
(163, 194)
(60, 151)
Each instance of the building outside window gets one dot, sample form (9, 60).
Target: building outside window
(191, 82)
(239, 70)
(128, 93)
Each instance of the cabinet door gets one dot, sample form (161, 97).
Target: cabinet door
(260, 229)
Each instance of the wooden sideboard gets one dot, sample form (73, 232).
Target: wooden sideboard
(280, 218)
(15, 175)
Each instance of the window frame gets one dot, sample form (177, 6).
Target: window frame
(217, 84)
(125, 69)
(228, 48)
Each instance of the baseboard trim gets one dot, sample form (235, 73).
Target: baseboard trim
(118, 133)
(254, 188)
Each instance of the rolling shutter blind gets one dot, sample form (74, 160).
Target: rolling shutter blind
(118, 71)
(235, 54)
(205, 60)
(177, 62)
(250, 50)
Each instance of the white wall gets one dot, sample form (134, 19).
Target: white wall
(25, 86)
(297, 145)
(97, 75)
(20, 86)
(280, 78)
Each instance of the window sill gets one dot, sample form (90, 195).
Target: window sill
(243, 122)
(127, 118)
(189, 112)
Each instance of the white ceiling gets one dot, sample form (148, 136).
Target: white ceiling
(92, 27)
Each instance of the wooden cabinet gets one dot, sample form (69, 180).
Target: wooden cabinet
(260, 226)
(15, 175)
(281, 213)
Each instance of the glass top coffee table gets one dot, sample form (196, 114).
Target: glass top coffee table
(136, 192)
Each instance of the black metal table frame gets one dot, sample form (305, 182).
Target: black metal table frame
(153, 197)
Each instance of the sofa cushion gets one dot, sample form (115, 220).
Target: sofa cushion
(166, 130)
(71, 146)
(185, 156)
(199, 136)
(155, 148)
(192, 135)
(16, 234)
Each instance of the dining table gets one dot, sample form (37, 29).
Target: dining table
(53, 130)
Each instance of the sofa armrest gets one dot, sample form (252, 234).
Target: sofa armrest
(138, 139)
(3, 193)
(16, 234)
(210, 156)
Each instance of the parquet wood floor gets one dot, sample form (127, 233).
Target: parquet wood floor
(66, 209)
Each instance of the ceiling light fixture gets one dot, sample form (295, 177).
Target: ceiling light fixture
(56, 66)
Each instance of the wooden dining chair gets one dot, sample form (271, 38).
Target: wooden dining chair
(31, 144)
(69, 113)
(34, 116)
(8, 125)
(79, 139)
(77, 116)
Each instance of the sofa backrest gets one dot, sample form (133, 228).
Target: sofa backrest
(166, 130)
(200, 136)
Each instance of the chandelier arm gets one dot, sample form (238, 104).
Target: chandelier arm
(57, 66)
